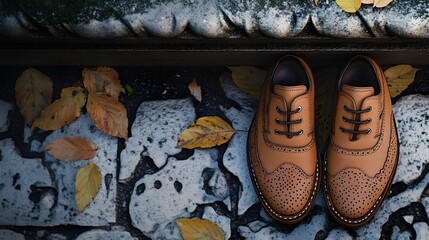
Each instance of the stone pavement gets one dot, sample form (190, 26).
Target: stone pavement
(147, 183)
(210, 18)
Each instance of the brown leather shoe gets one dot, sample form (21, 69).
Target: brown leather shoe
(281, 147)
(363, 153)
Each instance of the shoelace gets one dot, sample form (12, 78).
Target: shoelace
(287, 123)
(355, 131)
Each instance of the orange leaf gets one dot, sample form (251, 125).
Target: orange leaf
(62, 111)
(71, 149)
(33, 93)
(108, 114)
(206, 132)
(103, 79)
(195, 90)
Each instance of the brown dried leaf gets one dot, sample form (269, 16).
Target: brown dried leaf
(381, 3)
(103, 79)
(108, 114)
(196, 229)
(195, 90)
(58, 114)
(249, 79)
(71, 149)
(206, 132)
(87, 183)
(33, 93)
(350, 6)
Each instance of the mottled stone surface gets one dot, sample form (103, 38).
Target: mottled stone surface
(213, 19)
(96, 234)
(412, 120)
(235, 157)
(405, 18)
(40, 192)
(156, 203)
(222, 221)
(272, 18)
(9, 235)
(336, 234)
(309, 230)
(160, 18)
(5, 112)
(101, 211)
(26, 193)
(155, 132)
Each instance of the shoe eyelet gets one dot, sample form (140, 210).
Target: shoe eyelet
(276, 132)
(345, 107)
(277, 120)
(369, 109)
(341, 129)
(299, 108)
(300, 120)
(368, 131)
(369, 120)
(300, 132)
(277, 109)
(344, 119)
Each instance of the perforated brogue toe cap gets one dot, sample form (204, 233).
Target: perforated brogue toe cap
(353, 194)
(287, 191)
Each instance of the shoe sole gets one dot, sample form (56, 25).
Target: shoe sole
(358, 222)
(286, 219)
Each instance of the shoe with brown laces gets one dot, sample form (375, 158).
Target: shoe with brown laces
(282, 153)
(363, 152)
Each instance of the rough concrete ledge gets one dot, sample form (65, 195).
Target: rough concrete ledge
(210, 19)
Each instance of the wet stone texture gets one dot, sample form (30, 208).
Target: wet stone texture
(213, 19)
(147, 183)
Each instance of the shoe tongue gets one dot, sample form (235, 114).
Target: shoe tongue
(359, 94)
(289, 93)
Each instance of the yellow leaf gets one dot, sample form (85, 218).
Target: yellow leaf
(58, 114)
(195, 90)
(206, 132)
(399, 78)
(71, 149)
(33, 93)
(350, 6)
(249, 79)
(397, 71)
(103, 79)
(108, 114)
(87, 183)
(198, 229)
(316, 2)
(76, 93)
(368, 1)
(381, 3)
